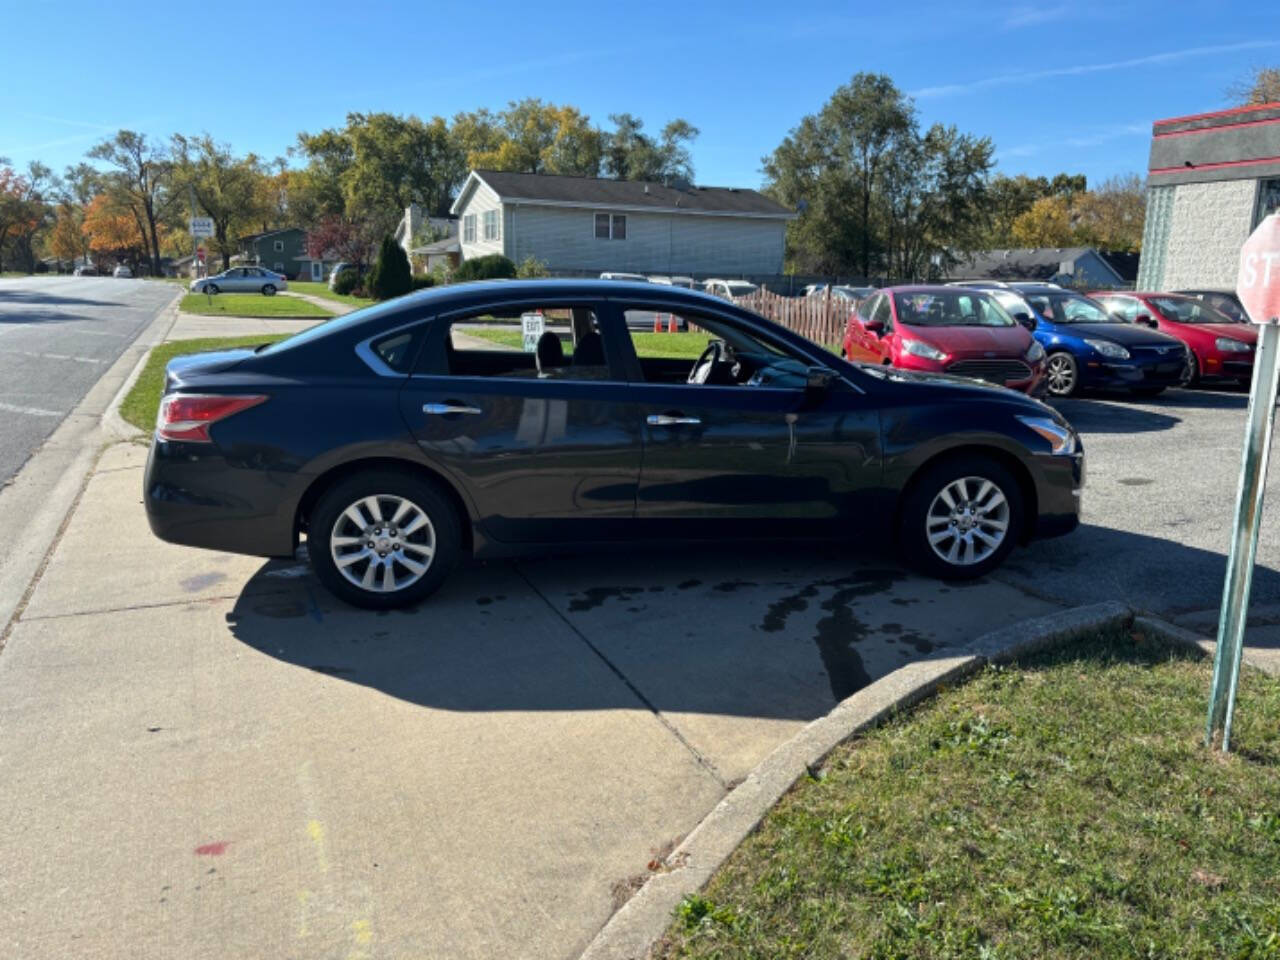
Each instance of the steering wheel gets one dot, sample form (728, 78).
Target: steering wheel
(707, 361)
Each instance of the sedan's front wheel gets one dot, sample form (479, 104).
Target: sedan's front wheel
(211, 288)
(384, 539)
(961, 518)
(268, 290)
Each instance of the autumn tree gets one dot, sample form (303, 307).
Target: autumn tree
(1047, 224)
(1111, 216)
(1261, 86)
(341, 238)
(1008, 198)
(631, 154)
(13, 211)
(531, 136)
(25, 209)
(67, 240)
(112, 229)
(140, 183)
(226, 187)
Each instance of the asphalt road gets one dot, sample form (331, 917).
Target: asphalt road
(58, 336)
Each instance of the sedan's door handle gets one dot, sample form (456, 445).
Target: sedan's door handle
(444, 409)
(671, 420)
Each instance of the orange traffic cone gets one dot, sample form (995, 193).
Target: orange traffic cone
(657, 323)
(671, 323)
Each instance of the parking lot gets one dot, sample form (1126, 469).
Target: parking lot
(228, 761)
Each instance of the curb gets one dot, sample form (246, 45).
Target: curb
(112, 423)
(632, 931)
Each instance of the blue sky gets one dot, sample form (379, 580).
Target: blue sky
(1057, 86)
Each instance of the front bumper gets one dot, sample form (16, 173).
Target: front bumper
(1132, 374)
(1059, 493)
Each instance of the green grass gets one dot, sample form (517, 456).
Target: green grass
(143, 400)
(678, 345)
(250, 305)
(322, 290)
(1064, 808)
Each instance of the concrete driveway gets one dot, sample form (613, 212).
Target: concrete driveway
(208, 756)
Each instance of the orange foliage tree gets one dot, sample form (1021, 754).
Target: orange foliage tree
(112, 231)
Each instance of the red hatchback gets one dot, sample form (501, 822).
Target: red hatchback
(1218, 348)
(945, 330)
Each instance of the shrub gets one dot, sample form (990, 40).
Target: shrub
(493, 267)
(422, 281)
(346, 282)
(531, 267)
(390, 276)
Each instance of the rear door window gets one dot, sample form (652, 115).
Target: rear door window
(532, 341)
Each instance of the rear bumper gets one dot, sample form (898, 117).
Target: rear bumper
(193, 496)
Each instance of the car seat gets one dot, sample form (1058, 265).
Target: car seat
(549, 353)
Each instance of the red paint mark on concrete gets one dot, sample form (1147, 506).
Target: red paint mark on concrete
(213, 849)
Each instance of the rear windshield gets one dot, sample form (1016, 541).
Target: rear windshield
(950, 308)
(1069, 308)
(336, 325)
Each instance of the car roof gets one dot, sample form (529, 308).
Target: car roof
(551, 288)
(927, 288)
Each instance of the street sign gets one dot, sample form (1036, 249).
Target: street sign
(201, 227)
(1258, 287)
(533, 325)
(200, 254)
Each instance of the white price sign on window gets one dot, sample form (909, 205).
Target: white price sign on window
(533, 326)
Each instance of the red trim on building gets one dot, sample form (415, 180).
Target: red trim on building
(1222, 126)
(1213, 166)
(1218, 113)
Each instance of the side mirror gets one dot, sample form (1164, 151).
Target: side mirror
(1146, 321)
(817, 384)
(1026, 319)
(874, 326)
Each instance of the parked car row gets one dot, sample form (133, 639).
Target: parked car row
(1041, 338)
(727, 289)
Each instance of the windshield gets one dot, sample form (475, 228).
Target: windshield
(1011, 302)
(1069, 308)
(950, 308)
(1188, 311)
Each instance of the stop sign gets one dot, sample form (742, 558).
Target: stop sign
(200, 255)
(1258, 285)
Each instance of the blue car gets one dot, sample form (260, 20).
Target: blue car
(1087, 347)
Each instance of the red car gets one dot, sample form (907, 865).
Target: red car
(953, 330)
(1218, 348)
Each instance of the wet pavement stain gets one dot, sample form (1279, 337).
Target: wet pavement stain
(904, 601)
(919, 641)
(729, 586)
(891, 628)
(775, 617)
(483, 601)
(594, 597)
(689, 584)
(201, 580)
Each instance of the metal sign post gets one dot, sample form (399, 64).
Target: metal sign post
(1259, 291)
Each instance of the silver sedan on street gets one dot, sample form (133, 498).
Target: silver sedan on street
(241, 280)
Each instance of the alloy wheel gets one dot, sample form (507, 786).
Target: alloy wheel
(383, 543)
(967, 521)
(1061, 374)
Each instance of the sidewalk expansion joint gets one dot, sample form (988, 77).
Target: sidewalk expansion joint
(702, 761)
(158, 605)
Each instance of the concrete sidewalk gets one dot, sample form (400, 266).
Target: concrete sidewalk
(208, 756)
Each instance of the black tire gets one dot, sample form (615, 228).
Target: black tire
(1071, 370)
(268, 290)
(445, 523)
(211, 289)
(1193, 370)
(913, 526)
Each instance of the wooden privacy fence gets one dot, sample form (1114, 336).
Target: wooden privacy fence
(821, 319)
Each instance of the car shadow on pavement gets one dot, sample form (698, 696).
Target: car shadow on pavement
(1152, 574)
(767, 631)
(1112, 416)
(1205, 399)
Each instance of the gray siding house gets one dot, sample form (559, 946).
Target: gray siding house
(1211, 179)
(1082, 267)
(585, 225)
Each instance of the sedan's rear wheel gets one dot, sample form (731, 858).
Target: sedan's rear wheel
(211, 288)
(383, 539)
(1061, 374)
(268, 290)
(961, 518)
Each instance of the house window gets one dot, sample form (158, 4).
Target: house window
(491, 231)
(279, 246)
(278, 267)
(1268, 200)
(469, 228)
(611, 226)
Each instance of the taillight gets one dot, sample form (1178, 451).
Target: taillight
(188, 416)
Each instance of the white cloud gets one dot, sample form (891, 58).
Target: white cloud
(1030, 16)
(1081, 141)
(1030, 76)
